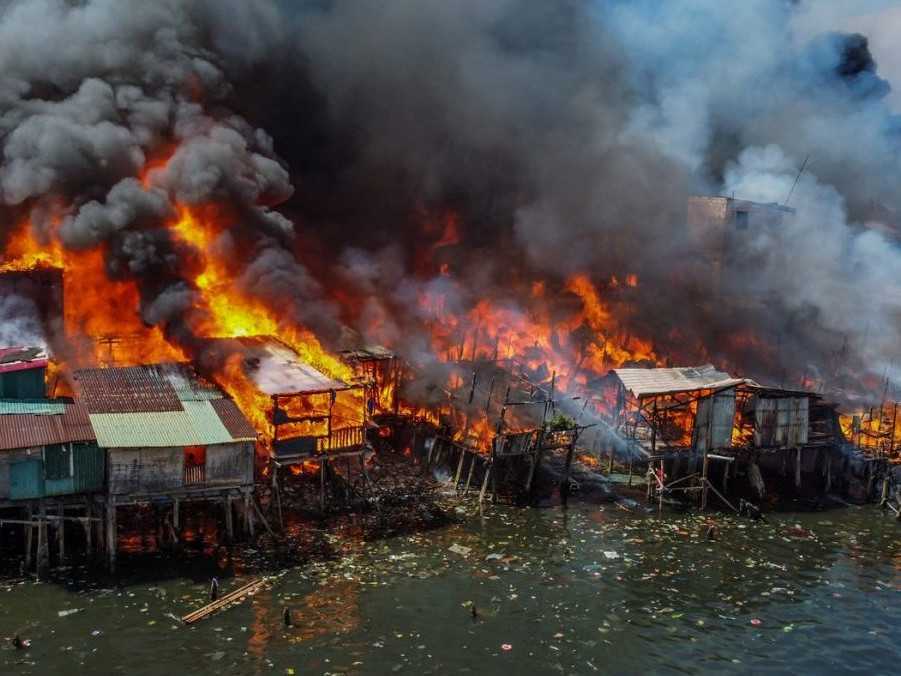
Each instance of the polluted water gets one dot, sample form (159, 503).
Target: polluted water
(585, 590)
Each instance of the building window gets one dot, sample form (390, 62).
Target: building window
(195, 465)
(741, 220)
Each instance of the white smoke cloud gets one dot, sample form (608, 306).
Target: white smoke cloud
(20, 325)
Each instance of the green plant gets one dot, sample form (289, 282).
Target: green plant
(561, 423)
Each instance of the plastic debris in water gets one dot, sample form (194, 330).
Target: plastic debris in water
(460, 550)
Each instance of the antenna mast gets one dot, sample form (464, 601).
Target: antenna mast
(797, 178)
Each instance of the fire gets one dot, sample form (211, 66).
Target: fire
(876, 430)
(233, 314)
(586, 343)
(101, 315)
(25, 252)
(253, 403)
(107, 313)
(588, 460)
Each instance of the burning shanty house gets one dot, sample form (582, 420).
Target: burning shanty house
(680, 417)
(50, 465)
(303, 412)
(169, 438)
(380, 369)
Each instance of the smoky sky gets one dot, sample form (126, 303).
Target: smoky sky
(567, 136)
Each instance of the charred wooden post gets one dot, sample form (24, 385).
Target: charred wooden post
(229, 522)
(564, 483)
(472, 466)
(61, 535)
(662, 483)
(705, 481)
(498, 438)
(248, 513)
(485, 479)
(459, 472)
(277, 494)
(43, 543)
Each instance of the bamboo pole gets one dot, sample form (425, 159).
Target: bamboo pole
(705, 479)
(459, 473)
(472, 466)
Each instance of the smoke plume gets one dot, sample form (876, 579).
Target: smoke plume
(334, 137)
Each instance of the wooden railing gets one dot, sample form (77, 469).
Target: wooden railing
(195, 475)
(339, 439)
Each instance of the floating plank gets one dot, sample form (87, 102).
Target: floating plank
(219, 604)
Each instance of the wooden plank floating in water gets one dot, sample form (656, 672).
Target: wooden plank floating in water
(228, 599)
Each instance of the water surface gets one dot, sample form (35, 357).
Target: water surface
(591, 590)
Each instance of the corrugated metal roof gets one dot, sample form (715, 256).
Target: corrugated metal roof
(234, 420)
(22, 358)
(130, 389)
(28, 430)
(276, 369)
(197, 425)
(159, 405)
(660, 381)
(31, 407)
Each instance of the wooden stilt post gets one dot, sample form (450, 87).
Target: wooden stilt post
(322, 469)
(61, 536)
(29, 536)
(797, 468)
(533, 460)
(485, 481)
(459, 473)
(472, 466)
(112, 542)
(229, 523)
(705, 481)
(365, 473)
(43, 541)
(564, 483)
(248, 513)
(89, 528)
(277, 493)
(662, 483)
(176, 514)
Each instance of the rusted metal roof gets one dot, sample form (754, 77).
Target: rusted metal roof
(158, 405)
(234, 420)
(130, 389)
(27, 430)
(641, 382)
